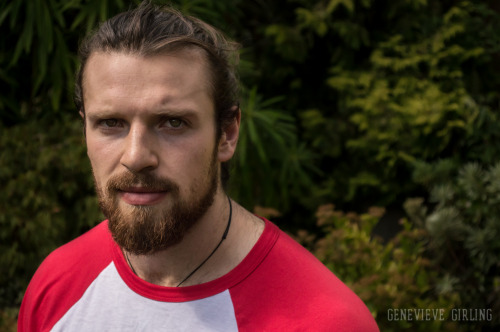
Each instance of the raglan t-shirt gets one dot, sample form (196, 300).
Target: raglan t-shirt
(86, 285)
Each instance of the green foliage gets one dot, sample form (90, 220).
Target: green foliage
(392, 275)
(40, 41)
(8, 319)
(383, 85)
(268, 148)
(412, 103)
(48, 194)
(464, 226)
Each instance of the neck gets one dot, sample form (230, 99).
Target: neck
(171, 266)
(224, 235)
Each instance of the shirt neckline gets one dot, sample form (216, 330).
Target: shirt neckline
(189, 293)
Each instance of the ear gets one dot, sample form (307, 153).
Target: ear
(229, 138)
(84, 123)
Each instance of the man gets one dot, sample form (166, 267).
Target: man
(158, 96)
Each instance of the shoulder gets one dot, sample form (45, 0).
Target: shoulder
(63, 277)
(81, 256)
(293, 290)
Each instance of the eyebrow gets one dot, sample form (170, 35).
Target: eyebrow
(168, 112)
(173, 112)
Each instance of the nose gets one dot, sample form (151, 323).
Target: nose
(139, 152)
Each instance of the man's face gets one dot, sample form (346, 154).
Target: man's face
(151, 140)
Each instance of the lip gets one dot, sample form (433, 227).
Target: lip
(141, 196)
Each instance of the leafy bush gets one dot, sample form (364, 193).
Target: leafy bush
(268, 148)
(48, 197)
(464, 228)
(385, 84)
(392, 275)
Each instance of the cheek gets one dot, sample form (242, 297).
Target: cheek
(102, 156)
(194, 162)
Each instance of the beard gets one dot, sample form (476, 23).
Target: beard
(144, 229)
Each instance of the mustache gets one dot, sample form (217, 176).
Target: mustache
(121, 182)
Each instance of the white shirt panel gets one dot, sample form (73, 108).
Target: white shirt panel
(110, 305)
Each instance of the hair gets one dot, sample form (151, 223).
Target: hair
(150, 30)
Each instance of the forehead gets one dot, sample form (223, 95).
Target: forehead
(171, 65)
(126, 77)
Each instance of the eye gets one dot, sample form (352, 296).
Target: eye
(110, 122)
(174, 123)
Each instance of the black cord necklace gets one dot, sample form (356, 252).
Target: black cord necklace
(211, 254)
(218, 245)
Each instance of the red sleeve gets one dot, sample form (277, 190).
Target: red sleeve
(292, 291)
(62, 278)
